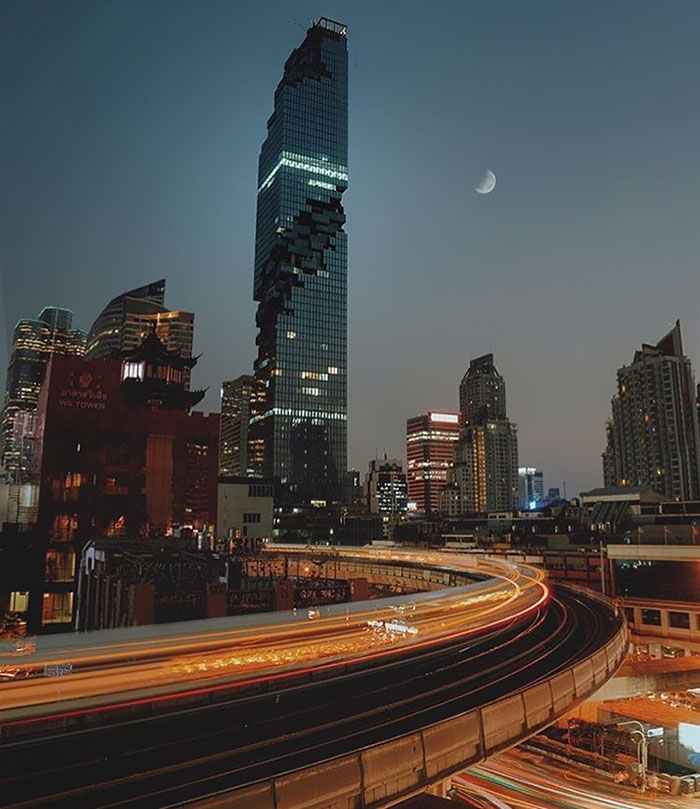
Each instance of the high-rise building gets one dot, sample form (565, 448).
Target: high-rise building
(531, 487)
(484, 476)
(33, 344)
(235, 415)
(652, 437)
(482, 392)
(298, 428)
(430, 445)
(126, 320)
(386, 488)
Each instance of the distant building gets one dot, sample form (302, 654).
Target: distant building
(553, 494)
(530, 487)
(652, 437)
(235, 415)
(34, 342)
(118, 455)
(430, 444)
(245, 508)
(127, 319)
(484, 475)
(386, 488)
(298, 428)
(353, 492)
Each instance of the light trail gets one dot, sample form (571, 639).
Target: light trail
(519, 780)
(159, 666)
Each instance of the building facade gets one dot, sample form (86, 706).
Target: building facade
(484, 476)
(298, 430)
(430, 447)
(119, 455)
(652, 437)
(235, 415)
(34, 342)
(245, 508)
(530, 487)
(386, 488)
(127, 319)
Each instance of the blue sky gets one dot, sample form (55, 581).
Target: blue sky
(128, 152)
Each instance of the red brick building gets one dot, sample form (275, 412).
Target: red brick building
(119, 454)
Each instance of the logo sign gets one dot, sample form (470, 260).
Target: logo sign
(58, 669)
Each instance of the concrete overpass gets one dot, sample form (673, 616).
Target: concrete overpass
(494, 661)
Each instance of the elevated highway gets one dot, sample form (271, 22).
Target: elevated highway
(369, 703)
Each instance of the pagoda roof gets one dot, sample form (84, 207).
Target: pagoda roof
(154, 351)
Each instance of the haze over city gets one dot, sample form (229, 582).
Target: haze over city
(129, 153)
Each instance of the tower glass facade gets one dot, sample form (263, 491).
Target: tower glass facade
(298, 424)
(34, 342)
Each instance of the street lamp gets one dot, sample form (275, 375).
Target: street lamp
(642, 748)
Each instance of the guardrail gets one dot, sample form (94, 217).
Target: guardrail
(378, 776)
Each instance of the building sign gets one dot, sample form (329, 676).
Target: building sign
(312, 596)
(240, 602)
(85, 393)
(58, 669)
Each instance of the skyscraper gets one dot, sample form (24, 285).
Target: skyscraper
(299, 423)
(385, 487)
(235, 415)
(484, 476)
(33, 344)
(127, 319)
(531, 487)
(430, 446)
(652, 437)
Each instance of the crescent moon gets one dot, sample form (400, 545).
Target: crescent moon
(486, 184)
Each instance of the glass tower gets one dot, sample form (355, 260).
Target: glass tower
(298, 426)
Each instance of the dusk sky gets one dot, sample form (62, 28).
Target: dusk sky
(128, 152)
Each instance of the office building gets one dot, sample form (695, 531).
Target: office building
(652, 437)
(484, 476)
(34, 342)
(298, 428)
(430, 445)
(386, 488)
(127, 319)
(530, 487)
(235, 415)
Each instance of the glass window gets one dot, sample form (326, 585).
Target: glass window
(19, 601)
(651, 617)
(57, 608)
(679, 620)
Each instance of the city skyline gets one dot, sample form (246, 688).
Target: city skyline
(614, 247)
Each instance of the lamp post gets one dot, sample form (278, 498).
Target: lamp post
(642, 748)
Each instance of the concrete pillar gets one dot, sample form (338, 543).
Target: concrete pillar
(359, 589)
(141, 604)
(284, 594)
(216, 600)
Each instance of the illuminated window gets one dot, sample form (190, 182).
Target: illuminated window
(19, 601)
(57, 608)
(133, 370)
(291, 335)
